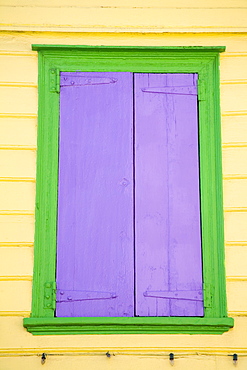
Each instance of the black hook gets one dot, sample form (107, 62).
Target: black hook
(171, 358)
(43, 358)
(235, 358)
(108, 354)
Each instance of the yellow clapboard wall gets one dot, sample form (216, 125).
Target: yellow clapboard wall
(128, 16)
(114, 22)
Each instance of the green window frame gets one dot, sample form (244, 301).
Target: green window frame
(201, 60)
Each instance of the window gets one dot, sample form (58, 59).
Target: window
(135, 173)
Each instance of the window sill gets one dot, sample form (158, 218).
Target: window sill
(128, 325)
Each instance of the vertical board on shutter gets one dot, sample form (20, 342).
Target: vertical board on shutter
(167, 202)
(95, 196)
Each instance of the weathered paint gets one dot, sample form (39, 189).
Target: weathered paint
(168, 236)
(95, 196)
(96, 207)
(20, 349)
(108, 16)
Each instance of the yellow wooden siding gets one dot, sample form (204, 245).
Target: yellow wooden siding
(195, 362)
(220, 4)
(234, 128)
(19, 132)
(25, 74)
(17, 197)
(16, 262)
(233, 160)
(18, 121)
(16, 295)
(236, 263)
(16, 229)
(235, 194)
(127, 17)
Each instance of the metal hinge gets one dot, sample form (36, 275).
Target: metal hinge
(194, 295)
(50, 295)
(54, 80)
(82, 295)
(173, 90)
(207, 295)
(85, 80)
(201, 90)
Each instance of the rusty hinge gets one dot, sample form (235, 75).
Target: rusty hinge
(207, 295)
(201, 90)
(54, 80)
(50, 295)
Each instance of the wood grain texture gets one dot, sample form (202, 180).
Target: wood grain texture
(235, 226)
(168, 245)
(234, 129)
(16, 261)
(233, 97)
(14, 163)
(17, 196)
(12, 104)
(18, 69)
(127, 19)
(235, 193)
(128, 4)
(10, 290)
(166, 193)
(95, 197)
(236, 261)
(232, 161)
(16, 229)
(17, 131)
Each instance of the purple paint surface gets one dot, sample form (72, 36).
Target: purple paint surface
(99, 207)
(95, 196)
(167, 207)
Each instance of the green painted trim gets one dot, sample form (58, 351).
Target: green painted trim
(201, 60)
(128, 325)
(46, 47)
(46, 191)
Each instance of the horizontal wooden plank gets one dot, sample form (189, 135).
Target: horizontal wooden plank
(17, 163)
(235, 161)
(18, 100)
(236, 261)
(234, 129)
(13, 45)
(18, 69)
(81, 19)
(16, 245)
(233, 97)
(199, 361)
(235, 194)
(237, 296)
(233, 68)
(129, 3)
(18, 131)
(17, 229)
(15, 295)
(17, 196)
(16, 261)
(235, 226)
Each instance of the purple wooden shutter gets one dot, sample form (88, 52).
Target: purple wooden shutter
(168, 263)
(95, 196)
